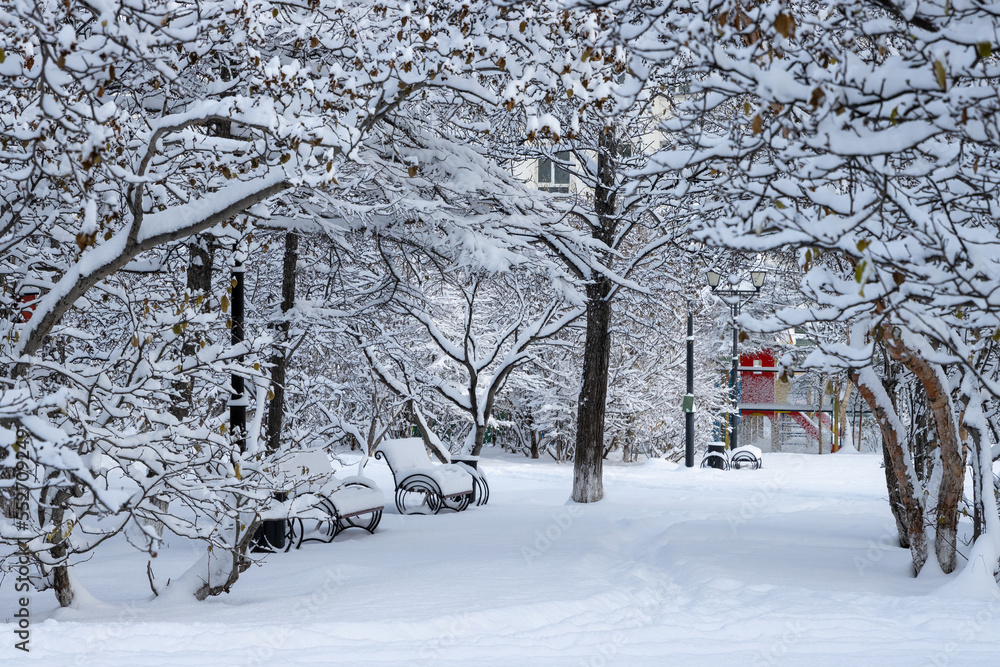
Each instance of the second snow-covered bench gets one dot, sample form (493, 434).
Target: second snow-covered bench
(421, 486)
(316, 494)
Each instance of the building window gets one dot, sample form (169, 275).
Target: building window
(552, 177)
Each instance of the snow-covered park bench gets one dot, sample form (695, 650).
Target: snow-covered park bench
(316, 494)
(423, 487)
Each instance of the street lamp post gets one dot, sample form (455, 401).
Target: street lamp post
(688, 405)
(238, 401)
(736, 298)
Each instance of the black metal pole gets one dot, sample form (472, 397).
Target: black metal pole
(689, 414)
(734, 415)
(857, 414)
(238, 402)
(819, 417)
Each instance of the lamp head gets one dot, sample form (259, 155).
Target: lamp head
(713, 278)
(758, 278)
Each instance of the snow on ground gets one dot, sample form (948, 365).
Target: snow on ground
(793, 564)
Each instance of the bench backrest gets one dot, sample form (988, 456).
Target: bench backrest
(306, 465)
(405, 454)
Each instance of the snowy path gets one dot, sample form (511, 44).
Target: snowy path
(793, 564)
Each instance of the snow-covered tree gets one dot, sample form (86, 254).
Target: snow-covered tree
(626, 218)
(477, 328)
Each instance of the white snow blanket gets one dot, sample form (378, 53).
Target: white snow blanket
(794, 565)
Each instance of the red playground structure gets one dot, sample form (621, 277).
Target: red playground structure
(794, 409)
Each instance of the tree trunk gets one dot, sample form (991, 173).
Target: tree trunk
(895, 499)
(980, 479)
(201, 261)
(282, 353)
(908, 512)
(588, 463)
(480, 439)
(432, 443)
(952, 451)
(987, 519)
(534, 436)
(588, 485)
(844, 396)
(239, 563)
(61, 583)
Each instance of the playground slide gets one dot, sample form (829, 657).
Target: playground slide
(809, 426)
